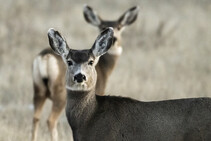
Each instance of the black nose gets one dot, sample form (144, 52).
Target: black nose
(79, 78)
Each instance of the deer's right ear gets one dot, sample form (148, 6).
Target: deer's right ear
(91, 16)
(58, 43)
(129, 16)
(103, 42)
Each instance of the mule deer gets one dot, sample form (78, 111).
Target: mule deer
(49, 82)
(108, 61)
(49, 70)
(110, 118)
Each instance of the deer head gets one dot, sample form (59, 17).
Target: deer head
(81, 74)
(118, 25)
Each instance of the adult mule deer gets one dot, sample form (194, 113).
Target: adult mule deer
(110, 118)
(108, 61)
(49, 70)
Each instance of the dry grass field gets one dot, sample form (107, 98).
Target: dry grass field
(167, 53)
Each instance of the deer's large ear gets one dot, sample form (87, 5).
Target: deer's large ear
(103, 42)
(91, 16)
(129, 16)
(58, 43)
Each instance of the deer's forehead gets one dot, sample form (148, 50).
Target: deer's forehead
(113, 24)
(80, 56)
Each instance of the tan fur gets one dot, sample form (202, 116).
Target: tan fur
(55, 90)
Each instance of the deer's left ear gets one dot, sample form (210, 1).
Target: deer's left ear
(129, 16)
(91, 16)
(58, 43)
(103, 42)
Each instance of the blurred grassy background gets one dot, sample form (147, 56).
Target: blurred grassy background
(167, 53)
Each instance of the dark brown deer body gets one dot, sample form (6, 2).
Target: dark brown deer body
(48, 71)
(109, 118)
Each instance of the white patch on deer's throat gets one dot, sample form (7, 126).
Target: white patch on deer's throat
(115, 50)
(77, 87)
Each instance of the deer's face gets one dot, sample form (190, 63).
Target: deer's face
(118, 25)
(81, 74)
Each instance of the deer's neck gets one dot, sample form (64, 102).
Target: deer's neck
(105, 67)
(108, 61)
(80, 106)
(116, 49)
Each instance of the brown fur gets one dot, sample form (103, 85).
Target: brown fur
(104, 69)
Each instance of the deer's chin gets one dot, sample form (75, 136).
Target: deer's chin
(78, 87)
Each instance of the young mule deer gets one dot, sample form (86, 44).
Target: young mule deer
(110, 118)
(108, 61)
(49, 70)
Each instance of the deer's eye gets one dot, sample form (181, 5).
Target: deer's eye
(91, 62)
(70, 63)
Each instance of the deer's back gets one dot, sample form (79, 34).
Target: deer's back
(173, 120)
(48, 71)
